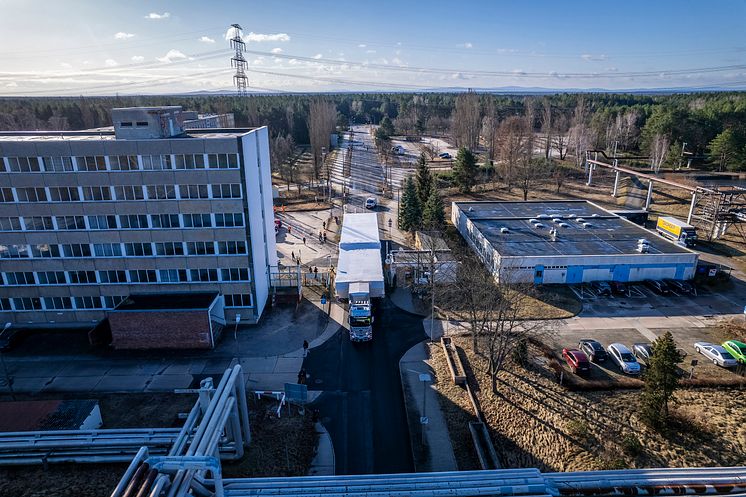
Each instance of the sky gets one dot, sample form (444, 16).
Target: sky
(82, 47)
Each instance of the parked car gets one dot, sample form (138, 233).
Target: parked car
(642, 351)
(593, 350)
(680, 286)
(9, 338)
(736, 349)
(577, 360)
(601, 288)
(716, 353)
(619, 288)
(444, 155)
(658, 287)
(624, 358)
(371, 203)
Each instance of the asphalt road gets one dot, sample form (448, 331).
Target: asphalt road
(362, 404)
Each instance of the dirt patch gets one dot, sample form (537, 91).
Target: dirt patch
(535, 422)
(279, 447)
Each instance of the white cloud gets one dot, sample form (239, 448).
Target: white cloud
(370, 51)
(518, 71)
(590, 57)
(171, 56)
(317, 56)
(467, 45)
(66, 65)
(276, 50)
(137, 58)
(12, 84)
(157, 16)
(111, 63)
(259, 37)
(206, 39)
(123, 36)
(362, 45)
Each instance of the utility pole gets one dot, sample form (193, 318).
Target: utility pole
(238, 61)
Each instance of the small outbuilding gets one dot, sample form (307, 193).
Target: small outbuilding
(185, 320)
(565, 241)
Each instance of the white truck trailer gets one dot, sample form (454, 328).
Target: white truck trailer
(359, 277)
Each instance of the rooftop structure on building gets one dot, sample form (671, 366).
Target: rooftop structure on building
(88, 218)
(567, 242)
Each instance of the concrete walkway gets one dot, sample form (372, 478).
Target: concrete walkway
(323, 461)
(431, 443)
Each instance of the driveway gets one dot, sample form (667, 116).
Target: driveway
(362, 405)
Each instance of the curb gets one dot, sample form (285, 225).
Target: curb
(407, 408)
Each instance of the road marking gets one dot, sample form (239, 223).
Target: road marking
(646, 332)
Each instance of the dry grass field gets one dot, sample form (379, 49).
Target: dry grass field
(534, 422)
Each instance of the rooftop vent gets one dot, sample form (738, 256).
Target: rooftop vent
(538, 225)
(543, 216)
(587, 225)
(563, 225)
(533, 221)
(643, 246)
(504, 230)
(580, 220)
(571, 216)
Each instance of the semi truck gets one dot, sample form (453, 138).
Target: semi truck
(359, 278)
(677, 230)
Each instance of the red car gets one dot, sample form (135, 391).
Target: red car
(577, 360)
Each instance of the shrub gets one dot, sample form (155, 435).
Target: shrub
(578, 428)
(520, 353)
(631, 445)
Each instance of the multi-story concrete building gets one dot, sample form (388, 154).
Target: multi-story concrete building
(90, 217)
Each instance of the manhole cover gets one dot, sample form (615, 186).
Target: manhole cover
(318, 381)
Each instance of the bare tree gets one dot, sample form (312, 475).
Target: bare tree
(512, 145)
(490, 122)
(579, 133)
(529, 105)
(659, 147)
(528, 172)
(508, 326)
(559, 143)
(322, 118)
(546, 126)
(467, 120)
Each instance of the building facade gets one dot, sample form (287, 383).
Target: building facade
(567, 242)
(89, 217)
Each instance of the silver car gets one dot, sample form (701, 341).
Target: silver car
(624, 358)
(716, 353)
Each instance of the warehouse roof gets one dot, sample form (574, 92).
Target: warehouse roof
(583, 228)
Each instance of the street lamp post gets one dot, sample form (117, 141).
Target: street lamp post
(8, 379)
(425, 379)
(235, 337)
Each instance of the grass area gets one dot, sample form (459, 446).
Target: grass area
(534, 422)
(279, 447)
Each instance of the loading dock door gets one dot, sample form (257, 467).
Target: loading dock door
(538, 275)
(574, 274)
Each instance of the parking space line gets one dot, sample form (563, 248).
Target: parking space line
(646, 333)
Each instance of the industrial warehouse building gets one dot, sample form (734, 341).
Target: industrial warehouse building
(88, 218)
(566, 242)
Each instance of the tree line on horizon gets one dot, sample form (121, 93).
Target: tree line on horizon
(709, 128)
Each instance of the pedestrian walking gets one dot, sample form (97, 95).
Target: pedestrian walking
(292, 255)
(316, 271)
(304, 240)
(302, 377)
(324, 237)
(336, 220)
(320, 237)
(290, 229)
(323, 225)
(305, 348)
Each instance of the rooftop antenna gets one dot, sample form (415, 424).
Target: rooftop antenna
(238, 61)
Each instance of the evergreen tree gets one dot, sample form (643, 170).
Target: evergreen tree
(661, 381)
(424, 179)
(465, 170)
(410, 209)
(433, 212)
(385, 129)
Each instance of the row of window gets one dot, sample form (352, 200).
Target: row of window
(127, 249)
(119, 192)
(122, 221)
(25, 278)
(92, 303)
(58, 164)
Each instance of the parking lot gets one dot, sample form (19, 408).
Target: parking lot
(642, 316)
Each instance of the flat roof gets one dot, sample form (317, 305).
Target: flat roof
(359, 230)
(607, 233)
(107, 134)
(175, 301)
